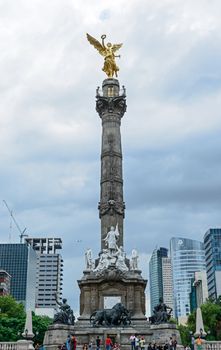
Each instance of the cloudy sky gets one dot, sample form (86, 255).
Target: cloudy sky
(51, 134)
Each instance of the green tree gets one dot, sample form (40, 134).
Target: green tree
(12, 321)
(40, 326)
(12, 318)
(211, 312)
(10, 308)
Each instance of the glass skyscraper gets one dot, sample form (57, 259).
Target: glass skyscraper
(187, 257)
(20, 261)
(156, 276)
(212, 244)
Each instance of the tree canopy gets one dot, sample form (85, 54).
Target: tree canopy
(12, 321)
(211, 313)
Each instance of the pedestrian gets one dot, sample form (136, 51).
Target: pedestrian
(132, 342)
(68, 343)
(98, 343)
(108, 343)
(73, 343)
(137, 342)
(171, 343)
(116, 346)
(142, 343)
(199, 343)
(166, 346)
(154, 346)
(85, 347)
(174, 344)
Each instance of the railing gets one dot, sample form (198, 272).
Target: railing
(212, 345)
(19, 345)
(8, 346)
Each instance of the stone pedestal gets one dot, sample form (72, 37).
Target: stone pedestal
(162, 333)
(24, 345)
(120, 335)
(129, 287)
(57, 335)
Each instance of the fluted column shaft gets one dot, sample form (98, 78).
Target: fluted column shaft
(111, 106)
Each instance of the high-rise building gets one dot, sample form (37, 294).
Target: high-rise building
(187, 257)
(156, 276)
(212, 244)
(20, 261)
(49, 272)
(5, 281)
(167, 282)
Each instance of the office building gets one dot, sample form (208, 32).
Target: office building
(155, 276)
(187, 257)
(20, 260)
(49, 273)
(167, 282)
(212, 244)
(5, 282)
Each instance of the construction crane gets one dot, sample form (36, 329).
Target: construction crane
(22, 232)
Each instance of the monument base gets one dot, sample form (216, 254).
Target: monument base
(163, 332)
(120, 335)
(56, 335)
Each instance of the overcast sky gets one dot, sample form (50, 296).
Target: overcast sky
(51, 134)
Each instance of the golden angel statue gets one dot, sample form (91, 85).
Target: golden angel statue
(108, 51)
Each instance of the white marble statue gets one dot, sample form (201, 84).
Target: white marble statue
(89, 259)
(120, 263)
(111, 238)
(134, 260)
(104, 261)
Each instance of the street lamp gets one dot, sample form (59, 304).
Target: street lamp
(192, 340)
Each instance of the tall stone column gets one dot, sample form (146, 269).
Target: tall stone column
(111, 106)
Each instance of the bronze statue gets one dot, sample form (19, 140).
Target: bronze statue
(161, 313)
(108, 51)
(65, 314)
(116, 316)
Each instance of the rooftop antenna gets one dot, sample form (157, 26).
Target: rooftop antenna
(22, 232)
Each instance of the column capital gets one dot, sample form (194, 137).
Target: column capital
(109, 106)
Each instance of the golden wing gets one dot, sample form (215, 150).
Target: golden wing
(116, 47)
(96, 44)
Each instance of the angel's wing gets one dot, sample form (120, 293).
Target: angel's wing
(116, 47)
(96, 44)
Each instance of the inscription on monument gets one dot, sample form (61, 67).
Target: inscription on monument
(110, 301)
